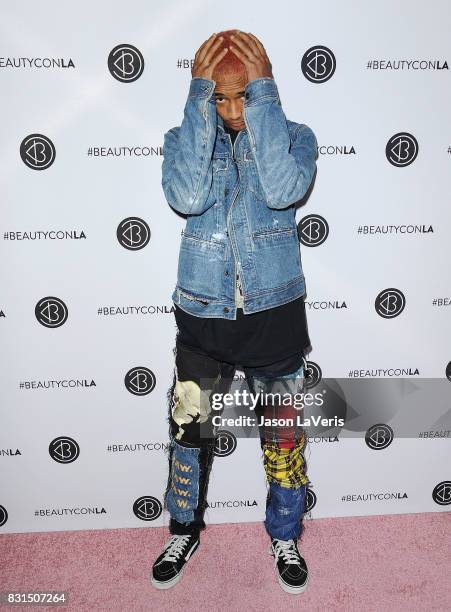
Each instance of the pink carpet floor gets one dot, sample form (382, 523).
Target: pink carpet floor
(370, 564)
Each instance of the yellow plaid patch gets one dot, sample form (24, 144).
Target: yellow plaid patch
(285, 466)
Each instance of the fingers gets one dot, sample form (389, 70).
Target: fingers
(246, 36)
(218, 57)
(255, 44)
(205, 47)
(258, 43)
(239, 53)
(211, 52)
(207, 56)
(251, 52)
(239, 40)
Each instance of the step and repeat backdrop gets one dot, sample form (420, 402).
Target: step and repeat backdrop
(89, 250)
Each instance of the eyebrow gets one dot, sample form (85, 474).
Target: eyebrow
(218, 93)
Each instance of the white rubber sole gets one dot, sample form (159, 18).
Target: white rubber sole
(168, 584)
(292, 590)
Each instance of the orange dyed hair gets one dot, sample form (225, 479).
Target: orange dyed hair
(230, 63)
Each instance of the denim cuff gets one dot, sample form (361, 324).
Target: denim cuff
(201, 88)
(257, 89)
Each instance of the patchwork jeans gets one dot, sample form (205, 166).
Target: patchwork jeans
(192, 440)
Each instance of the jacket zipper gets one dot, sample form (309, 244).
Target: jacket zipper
(229, 228)
(237, 277)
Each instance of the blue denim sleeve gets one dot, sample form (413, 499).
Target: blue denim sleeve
(285, 169)
(187, 152)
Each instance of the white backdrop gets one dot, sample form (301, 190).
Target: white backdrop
(89, 248)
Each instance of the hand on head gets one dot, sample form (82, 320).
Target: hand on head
(241, 52)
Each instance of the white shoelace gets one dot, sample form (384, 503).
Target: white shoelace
(175, 547)
(285, 549)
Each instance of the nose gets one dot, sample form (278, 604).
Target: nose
(236, 111)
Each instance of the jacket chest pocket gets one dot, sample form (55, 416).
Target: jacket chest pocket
(220, 164)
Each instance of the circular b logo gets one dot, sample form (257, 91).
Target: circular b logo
(442, 493)
(133, 233)
(147, 508)
(51, 312)
(318, 64)
(390, 303)
(140, 381)
(379, 436)
(126, 63)
(64, 449)
(225, 443)
(312, 230)
(402, 149)
(37, 151)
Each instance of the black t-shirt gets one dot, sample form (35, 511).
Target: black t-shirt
(276, 336)
(253, 340)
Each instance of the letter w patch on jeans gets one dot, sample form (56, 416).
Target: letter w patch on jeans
(183, 494)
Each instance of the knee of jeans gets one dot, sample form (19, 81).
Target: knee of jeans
(183, 492)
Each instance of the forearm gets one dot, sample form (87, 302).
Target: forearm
(187, 165)
(285, 170)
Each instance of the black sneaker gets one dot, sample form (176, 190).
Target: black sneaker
(168, 567)
(291, 567)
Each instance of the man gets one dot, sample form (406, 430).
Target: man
(236, 167)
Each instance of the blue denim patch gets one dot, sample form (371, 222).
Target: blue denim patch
(270, 382)
(183, 494)
(284, 512)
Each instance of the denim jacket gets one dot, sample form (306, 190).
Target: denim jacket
(239, 201)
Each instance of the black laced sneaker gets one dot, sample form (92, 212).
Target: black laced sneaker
(168, 567)
(291, 567)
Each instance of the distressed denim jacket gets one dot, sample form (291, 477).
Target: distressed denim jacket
(239, 201)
